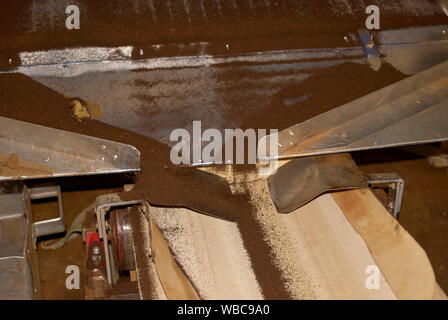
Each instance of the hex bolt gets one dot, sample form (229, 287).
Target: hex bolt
(96, 250)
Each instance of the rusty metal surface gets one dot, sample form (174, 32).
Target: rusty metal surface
(301, 180)
(267, 24)
(411, 111)
(156, 95)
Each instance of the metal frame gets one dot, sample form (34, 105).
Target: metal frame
(411, 111)
(50, 226)
(104, 204)
(395, 186)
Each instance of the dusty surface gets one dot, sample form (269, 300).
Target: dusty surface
(267, 96)
(159, 178)
(318, 252)
(403, 262)
(160, 182)
(209, 250)
(167, 185)
(149, 285)
(12, 166)
(323, 90)
(218, 26)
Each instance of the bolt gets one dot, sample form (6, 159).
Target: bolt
(96, 250)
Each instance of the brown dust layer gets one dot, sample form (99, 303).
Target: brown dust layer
(326, 89)
(164, 184)
(228, 27)
(160, 182)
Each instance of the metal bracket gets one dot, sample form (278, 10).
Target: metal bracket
(50, 226)
(104, 204)
(395, 186)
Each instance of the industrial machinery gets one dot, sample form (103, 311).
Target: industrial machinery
(215, 63)
(31, 159)
(412, 111)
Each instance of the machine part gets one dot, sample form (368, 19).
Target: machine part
(19, 270)
(12, 225)
(95, 272)
(97, 282)
(18, 234)
(395, 189)
(104, 205)
(115, 275)
(96, 285)
(50, 226)
(301, 180)
(16, 279)
(122, 242)
(411, 111)
(369, 47)
(27, 152)
(95, 255)
(76, 227)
